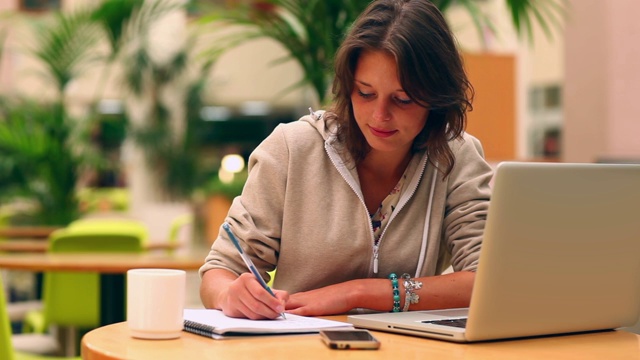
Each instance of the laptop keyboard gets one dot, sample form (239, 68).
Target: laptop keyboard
(460, 323)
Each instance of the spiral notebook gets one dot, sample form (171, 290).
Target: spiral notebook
(214, 324)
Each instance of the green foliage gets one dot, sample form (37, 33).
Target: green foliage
(229, 190)
(187, 171)
(113, 16)
(42, 150)
(40, 159)
(66, 46)
(174, 157)
(312, 30)
(549, 14)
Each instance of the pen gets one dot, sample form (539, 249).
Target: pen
(248, 261)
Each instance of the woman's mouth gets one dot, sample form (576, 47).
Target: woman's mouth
(381, 132)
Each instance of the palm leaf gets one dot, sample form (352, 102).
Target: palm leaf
(113, 16)
(138, 24)
(310, 31)
(39, 160)
(548, 14)
(67, 46)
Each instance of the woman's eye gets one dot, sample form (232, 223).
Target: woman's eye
(404, 101)
(364, 95)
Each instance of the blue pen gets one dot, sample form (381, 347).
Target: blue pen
(248, 261)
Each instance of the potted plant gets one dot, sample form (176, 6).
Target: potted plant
(44, 150)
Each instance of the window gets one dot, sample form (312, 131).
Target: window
(545, 103)
(545, 98)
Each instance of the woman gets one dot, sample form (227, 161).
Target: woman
(385, 183)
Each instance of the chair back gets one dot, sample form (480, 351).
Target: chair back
(92, 242)
(4, 219)
(110, 226)
(73, 298)
(177, 225)
(6, 348)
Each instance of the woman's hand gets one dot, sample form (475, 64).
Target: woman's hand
(244, 297)
(329, 300)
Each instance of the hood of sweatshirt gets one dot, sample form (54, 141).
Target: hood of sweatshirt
(317, 120)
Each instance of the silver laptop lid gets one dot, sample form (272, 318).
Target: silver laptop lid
(561, 251)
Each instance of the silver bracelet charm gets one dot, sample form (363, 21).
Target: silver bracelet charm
(410, 285)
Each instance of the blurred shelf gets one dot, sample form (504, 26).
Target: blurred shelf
(41, 245)
(27, 231)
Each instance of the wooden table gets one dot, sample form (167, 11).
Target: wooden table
(27, 231)
(114, 342)
(109, 263)
(112, 268)
(41, 245)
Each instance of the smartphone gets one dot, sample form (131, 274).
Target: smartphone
(349, 339)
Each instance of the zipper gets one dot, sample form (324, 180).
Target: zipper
(401, 203)
(413, 186)
(333, 156)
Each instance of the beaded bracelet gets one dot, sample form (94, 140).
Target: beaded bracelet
(410, 285)
(396, 292)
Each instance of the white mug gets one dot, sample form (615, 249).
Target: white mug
(155, 303)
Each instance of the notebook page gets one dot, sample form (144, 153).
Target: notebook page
(221, 324)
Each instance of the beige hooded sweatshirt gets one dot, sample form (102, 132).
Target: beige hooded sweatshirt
(302, 210)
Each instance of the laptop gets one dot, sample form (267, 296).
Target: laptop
(560, 255)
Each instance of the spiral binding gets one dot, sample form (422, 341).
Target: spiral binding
(198, 328)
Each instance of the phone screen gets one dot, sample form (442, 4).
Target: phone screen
(349, 339)
(349, 335)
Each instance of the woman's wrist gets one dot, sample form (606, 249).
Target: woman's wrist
(374, 294)
(214, 288)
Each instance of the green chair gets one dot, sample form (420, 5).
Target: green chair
(110, 226)
(63, 304)
(5, 215)
(177, 224)
(72, 300)
(7, 351)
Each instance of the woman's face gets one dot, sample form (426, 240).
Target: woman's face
(387, 117)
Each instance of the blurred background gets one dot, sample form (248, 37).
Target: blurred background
(149, 109)
(119, 105)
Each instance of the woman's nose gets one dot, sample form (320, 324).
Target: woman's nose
(381, 111)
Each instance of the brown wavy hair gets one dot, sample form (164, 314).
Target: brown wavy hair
(430, 70)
